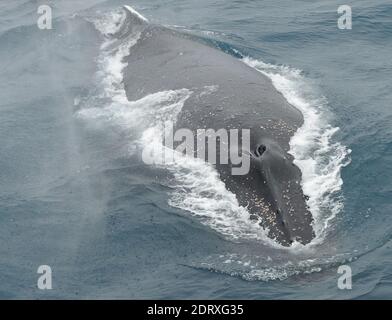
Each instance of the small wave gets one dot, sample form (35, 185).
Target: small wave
(265, 268)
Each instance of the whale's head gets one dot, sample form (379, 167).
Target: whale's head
(285, 214)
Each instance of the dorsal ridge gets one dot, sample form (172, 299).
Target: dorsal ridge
(135, 16)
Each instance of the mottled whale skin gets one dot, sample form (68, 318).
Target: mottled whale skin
(164, 59)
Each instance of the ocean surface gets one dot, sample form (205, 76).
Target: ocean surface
(75, 195)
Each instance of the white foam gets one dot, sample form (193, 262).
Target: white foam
(109, 23)
(111, 64)
(200, 191)
(316, 154)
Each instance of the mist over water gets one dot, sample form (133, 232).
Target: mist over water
(75, 194)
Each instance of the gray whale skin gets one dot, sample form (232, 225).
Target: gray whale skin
(165, 59)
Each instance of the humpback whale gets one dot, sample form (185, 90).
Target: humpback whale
(165, 59)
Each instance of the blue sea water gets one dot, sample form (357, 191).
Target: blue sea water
(74, 196)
